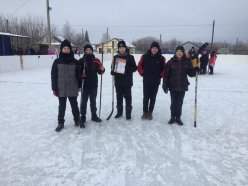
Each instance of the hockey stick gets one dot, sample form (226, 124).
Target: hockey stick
(205, 45)
(100, 104)
(113, 82)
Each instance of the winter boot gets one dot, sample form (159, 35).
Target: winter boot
(172, 120)
(95, 118)
(59, 127)
(82, 125)
(179, 121)
(128, 112)
(144, 116)
(149, 116)
(119, 112)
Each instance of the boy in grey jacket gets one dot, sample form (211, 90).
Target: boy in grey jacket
(65, 76)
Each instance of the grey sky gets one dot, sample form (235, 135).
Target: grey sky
(182, 19)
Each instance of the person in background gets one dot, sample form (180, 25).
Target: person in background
(194, 58)
(212, 60)
(122, 68)
(152, 68)
(90, 66)
(176, 81)
(65, 77)
(204, 61)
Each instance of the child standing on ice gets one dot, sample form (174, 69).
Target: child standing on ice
(65, 76)
(152, 68)
(122, 69)
(90, 66)
(212, 60)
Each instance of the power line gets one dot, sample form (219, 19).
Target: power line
(22, 5)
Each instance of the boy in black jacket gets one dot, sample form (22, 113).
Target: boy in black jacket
(176, 80)
(122, 69)
(65, 76)
(90, 66)
(152, 68)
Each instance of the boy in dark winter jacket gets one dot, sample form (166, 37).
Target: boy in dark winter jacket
(123, 67)
(90, 66)
(152, 68)
(176, 80)
(65, 76)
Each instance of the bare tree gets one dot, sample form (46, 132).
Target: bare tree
(30, 25)
(105, 37)
(143, 44)
(67, 31)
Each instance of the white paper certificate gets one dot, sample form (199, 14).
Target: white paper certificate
(120, 65)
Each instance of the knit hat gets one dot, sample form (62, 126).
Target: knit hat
(180, 48)
(88, 46)
(155, 44)
(122, 44)
(65, 43)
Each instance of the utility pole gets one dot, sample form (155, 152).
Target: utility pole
(237, 41)
(160, 40)
(107, 35)
(7, 25)
(211, 48)
(48, 24)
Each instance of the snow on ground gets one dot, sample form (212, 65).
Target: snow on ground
(120, 152)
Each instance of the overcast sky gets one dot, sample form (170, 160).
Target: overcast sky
(186, 20)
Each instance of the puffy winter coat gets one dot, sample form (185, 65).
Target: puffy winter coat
(65, 76)
(90, 67)
(212, 59)
(152, 68)
(126, 78)
(176, 74)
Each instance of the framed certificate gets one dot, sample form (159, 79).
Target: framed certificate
(120, 65)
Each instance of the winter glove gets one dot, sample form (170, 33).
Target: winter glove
(55, 93)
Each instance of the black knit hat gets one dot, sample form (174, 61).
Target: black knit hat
(66, 43)
(122, 44)
(88, 46)
(155, 44)
(180, 48)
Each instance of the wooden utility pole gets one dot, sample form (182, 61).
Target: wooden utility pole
(211, 48)
(48, 24)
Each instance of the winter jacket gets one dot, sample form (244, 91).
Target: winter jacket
(65, 76)
(212, 59)
(125, 79)
(152, 68)
(90, 67)
(176, 74)
(204, 58)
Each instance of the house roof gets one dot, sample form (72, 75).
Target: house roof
(190, 43)
(130, 45)
(15, 35)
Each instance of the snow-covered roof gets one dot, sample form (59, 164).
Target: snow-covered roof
(8, 34)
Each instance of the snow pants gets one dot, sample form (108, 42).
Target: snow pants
(176, 103)
(62, 108)
(88, 91)
(149, 99)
